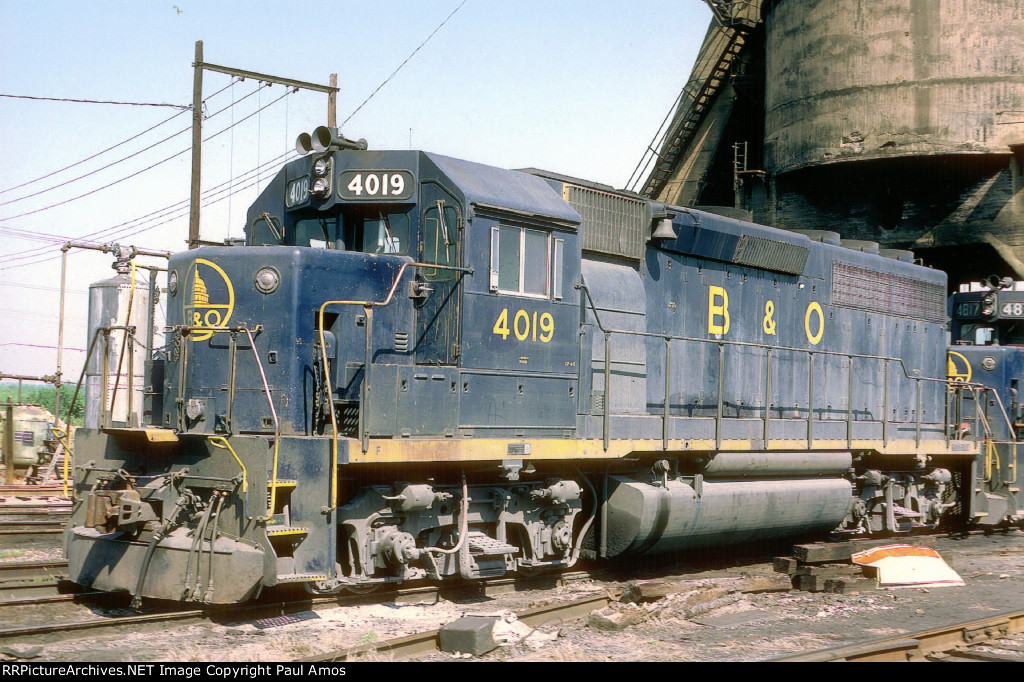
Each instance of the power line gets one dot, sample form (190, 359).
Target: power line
(147, 168)
(90, 158)
(182, 207)
(388, 79)
(95, 101)
(116, 231)
(65, 183)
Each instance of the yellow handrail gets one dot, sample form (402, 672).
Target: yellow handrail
(222, 442)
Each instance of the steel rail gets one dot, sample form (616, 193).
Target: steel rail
(920, 646)
(430, 642)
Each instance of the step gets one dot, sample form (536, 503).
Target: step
(301, 577)
(481, 544)
(283, 483)
(283, 531)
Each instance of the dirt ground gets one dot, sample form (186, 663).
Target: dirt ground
(734, 627)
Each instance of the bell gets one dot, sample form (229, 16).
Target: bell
(663, 229)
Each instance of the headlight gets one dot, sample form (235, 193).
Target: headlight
(321, 187)
(267, 280)
(321, 166)
(172, 282)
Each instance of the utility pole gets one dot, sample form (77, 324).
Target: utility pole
(197, 120)
(197, 147)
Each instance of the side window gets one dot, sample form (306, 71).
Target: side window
(440, 241)
(520, 261)
(314, 232)
(267, 229)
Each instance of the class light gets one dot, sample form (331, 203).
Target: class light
(988, 305)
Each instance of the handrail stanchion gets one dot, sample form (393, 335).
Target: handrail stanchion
(668, 392)
(767, 394)
(810, 400)
(721, 396)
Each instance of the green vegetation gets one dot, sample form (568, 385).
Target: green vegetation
(45, 396)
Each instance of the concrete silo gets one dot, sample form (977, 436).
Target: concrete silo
(896, 121)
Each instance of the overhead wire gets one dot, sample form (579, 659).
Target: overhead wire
(65, 183)
(132, 175)
(411, 55)
(34, 253)
(43, 254)
(122, 230)
(185, 107)
(110, 148)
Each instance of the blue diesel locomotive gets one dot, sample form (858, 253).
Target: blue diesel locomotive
(987, 333)
(422, 367)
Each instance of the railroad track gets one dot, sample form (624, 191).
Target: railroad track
(996, 639)
(35, 582)
(429, 642)
(277, 609)
(50, 525)
(31, 490)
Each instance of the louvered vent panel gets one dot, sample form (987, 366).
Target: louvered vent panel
(769, 254)
(611, 223)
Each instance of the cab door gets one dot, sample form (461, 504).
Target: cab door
(438, 306)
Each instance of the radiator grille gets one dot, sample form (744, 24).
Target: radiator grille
(886, 293)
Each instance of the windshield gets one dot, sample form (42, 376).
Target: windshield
(366, 229)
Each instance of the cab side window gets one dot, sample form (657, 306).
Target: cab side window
(521, 261)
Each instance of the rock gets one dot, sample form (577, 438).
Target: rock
(615, 617)
(23, 652)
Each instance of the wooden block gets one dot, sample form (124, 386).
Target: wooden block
(820, 552)
(650, 591)
(829, 570)
(779, 583)
(809, 583)
(785, 564)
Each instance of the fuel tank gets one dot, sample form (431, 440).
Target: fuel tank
(668, 516)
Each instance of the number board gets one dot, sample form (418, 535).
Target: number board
(1011, 309)
(297, 192)
(968, 309)
(376, 185)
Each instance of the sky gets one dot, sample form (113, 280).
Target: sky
(572, 86)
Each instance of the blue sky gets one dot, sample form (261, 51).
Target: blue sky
(570, 86)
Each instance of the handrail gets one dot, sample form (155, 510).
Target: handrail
(180, 328)
(60, 435)
(368, 307)
(607, 331)
(982, 418)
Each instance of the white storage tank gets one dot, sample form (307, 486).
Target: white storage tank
(115, 375)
